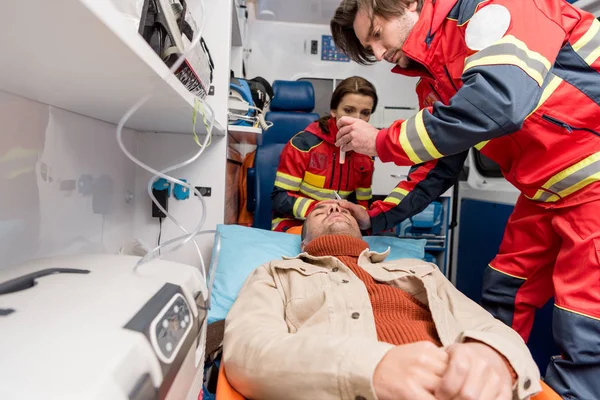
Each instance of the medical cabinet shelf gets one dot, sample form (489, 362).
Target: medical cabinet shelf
(86, 57)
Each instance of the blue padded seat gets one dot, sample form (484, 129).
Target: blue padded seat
(291, 112)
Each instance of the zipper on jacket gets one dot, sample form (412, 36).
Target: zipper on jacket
(566, 126)
(450, 78)
(333, 169)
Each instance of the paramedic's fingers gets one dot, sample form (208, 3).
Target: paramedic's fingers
(475, 370)
(360, 214)
(421, 366)
(357, 135)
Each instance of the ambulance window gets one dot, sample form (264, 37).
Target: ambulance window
(323, 90)
(486, 167)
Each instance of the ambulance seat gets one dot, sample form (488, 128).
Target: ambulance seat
(291, 112)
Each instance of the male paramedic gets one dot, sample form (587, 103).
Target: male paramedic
(340, 322)
(519, 80)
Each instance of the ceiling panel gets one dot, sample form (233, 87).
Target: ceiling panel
(302, 11)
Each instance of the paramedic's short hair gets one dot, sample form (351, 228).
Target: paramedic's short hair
(342, 24)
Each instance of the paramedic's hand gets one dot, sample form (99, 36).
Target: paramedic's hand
(475, 372)
(360, 214)
(356, 134)
(410, 372)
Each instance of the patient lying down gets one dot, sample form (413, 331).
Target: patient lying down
(340, 322)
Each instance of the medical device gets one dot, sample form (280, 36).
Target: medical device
(89, 327)
(248, 100)
(208, 121)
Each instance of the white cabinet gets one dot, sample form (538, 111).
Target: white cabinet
(387, 176)
(83, 56)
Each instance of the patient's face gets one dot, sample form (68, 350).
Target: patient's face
(354, 105)
(328, 218)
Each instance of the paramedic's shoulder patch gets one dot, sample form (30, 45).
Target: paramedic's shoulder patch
(487, 26)
(304, 141)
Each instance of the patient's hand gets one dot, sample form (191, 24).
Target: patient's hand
(360, 214)
(475, 372)
(411, 371)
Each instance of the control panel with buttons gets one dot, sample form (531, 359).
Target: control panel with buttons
(170, 328)
(329, 51)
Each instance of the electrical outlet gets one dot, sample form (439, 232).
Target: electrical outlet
(314, 47)
(162, 196)
(204, 191)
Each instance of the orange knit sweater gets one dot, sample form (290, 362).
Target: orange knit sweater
(399, 317)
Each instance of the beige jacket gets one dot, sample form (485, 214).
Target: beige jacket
(303, 328)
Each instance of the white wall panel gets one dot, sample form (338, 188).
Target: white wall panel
(50, 162)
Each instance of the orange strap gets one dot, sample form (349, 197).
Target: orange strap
(224, 390)
(546, 394)
(295, 230)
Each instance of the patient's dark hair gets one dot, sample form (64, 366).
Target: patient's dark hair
(352, 85)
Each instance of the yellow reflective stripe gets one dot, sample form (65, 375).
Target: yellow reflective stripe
(589, 35)
(481, 145)
(396, 196)
(285, 186)
(288, 177)
(588, 46)
(512, 51)
(364, 193)
(424, 136)
(548, 90)
(581, 184)
(406, 144)
(537, 195)
(571, 170)
(276, 222)
(287, 182)
(570, 180)
(511, 60)
(301, 206)
(320, 193)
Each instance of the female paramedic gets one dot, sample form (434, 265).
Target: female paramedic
(520, 81)
(312, 168)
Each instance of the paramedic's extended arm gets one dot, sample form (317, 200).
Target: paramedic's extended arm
(293, 163)
(502, 86)
(425, 183)
(479, 325)
(264, 361)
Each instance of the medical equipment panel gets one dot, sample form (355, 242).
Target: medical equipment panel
(92, 327)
